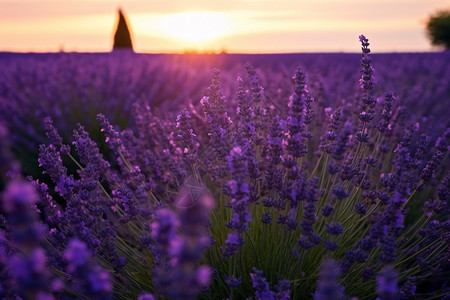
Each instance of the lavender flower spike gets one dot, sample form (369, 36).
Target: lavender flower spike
(112, 136)
(89, 278)
(187, 137)
(387, 284)
(327, 286)
(366, 85)
(262, 288)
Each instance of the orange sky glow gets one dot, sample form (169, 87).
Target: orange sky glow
(236, 26)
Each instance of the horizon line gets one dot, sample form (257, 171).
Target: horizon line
(213, 52)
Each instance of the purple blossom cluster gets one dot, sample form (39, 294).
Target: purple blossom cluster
(176, 274)
(263, 291)
(277, 187)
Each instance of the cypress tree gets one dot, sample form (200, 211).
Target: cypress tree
(122, 37)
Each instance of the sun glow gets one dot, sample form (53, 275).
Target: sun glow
(195, 26)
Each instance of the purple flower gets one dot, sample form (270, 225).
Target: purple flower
(87, 149)
(194, 203)
(245, 112)
(268, 202)
(387, 284)
(255, 84)
(326, 141)
(327, 285)
(233, 244)
(377, 230)
(305, 243)
(163, 230)
(408, 289)
(29, 270)
(334, 228)
(348, 171)
(126, 198)
(176, 275)
(18, 202)
(266, 218)
(365, 117)
(366, 244)
(383, 124)
(146, 297)
(237, 163)
(360, 208)
(203, 276)
(332, 168)
(214, 107)
(77, 254)
(296, 122)
(19, 196)
(52, 133)
(356, 256)
(316, 239)
(50, 161)
(112, 136)
(342, 142)
(282, 219)
(90, 279)
(340, 193)
(362, 137)
(327, 210)
(363, 40)
(257, 92)
(309, 218)
(238, 166)
(370, 160)
(366, 86)
(275, 141)
(388, 250)
(330, 245)
(283, 290)
(232, 281)
(100, 283)
(429, 170)
(262, 288)
(187, 137)
(49, 210)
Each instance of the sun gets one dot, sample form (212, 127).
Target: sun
(195, 26)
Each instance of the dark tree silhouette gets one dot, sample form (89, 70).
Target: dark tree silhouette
(122, 37)
(438, 28)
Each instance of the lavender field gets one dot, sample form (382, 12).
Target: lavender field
(224, 176)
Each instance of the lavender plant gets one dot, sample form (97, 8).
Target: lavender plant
(251, 199)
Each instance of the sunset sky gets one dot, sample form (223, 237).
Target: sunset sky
(246, 26)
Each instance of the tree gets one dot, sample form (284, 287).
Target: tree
(438, 28)
(122, 37)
